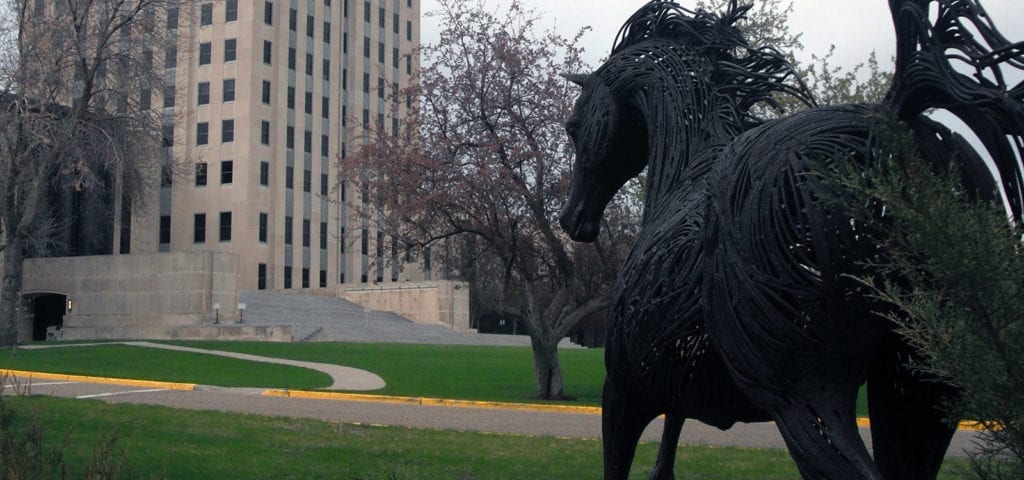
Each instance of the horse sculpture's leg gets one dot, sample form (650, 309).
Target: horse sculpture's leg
(663, 467)
(824, 440)
(908, 431)
(623, 421)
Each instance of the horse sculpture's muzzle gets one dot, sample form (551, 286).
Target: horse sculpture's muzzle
(576, 222)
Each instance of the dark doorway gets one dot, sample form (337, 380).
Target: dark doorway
(48, 311)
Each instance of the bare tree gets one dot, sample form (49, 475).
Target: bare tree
(79, 83)
(488, 157)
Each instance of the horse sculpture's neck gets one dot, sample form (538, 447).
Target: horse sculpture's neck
(682, 111)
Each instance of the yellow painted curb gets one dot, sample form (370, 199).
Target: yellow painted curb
(29, 376)
(437, 402)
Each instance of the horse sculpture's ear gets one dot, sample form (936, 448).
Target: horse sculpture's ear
(577, 78)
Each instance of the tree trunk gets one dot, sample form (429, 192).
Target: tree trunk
(547, 369)
(10, 290)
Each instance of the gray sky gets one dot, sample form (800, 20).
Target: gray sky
(855, 27)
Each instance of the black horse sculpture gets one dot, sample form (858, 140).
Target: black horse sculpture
(737, 302)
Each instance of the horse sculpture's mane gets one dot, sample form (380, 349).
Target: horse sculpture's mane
(748, 76)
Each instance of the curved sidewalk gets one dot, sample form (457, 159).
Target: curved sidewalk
(342, 378)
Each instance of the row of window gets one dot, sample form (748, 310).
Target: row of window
(227, 176)
(206, 51)
(203, 92)
(227, 132)
(206, 13)
(224, 229)
(261, 280)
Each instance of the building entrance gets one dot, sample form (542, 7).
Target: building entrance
(47, 311)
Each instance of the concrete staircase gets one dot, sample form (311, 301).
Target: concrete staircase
(329, 319)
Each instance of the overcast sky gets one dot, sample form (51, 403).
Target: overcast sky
(855, 27)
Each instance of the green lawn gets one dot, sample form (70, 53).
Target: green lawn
(457, 372)
(169, 443)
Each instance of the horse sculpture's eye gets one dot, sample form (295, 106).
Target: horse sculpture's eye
(572, 127)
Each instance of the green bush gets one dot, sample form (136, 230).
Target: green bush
(954, 269)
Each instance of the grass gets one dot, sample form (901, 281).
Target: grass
(502, 374)
(123, 361)
(168, 443)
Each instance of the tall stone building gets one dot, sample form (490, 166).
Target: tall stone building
(260, 98)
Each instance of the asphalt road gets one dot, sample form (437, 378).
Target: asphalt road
(478, 419)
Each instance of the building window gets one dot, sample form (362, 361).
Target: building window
(327, 32)
(305, 233)
(168, 96)
(325, 107)
(290, 137)
(291, 58)
(227, 131)
(261, 277)
(231, 11)
(229, 89)
(293, 19)
(365, 242)
(394, 58)
(366, 11)
(206, 14)
(291, 97)
(326, 69)
(287, 278)
(203, 93)
(323, 145)
(205, 52)
(172, 18)
(201, 174)
(287, 230)
(265, 93)
(309, 103)
(225, 226)
(323, 235)
(307, 141)
(264, 132)
(230, 49)
(167, 134)
(307, 181)
(165, 229)
(324, 184)
(263, 227)
(394, 22)
(171, 57)
(227, 172)
(199, 228)
(380, 52)
(309, 26)
(366, 47)
(382, 17)
(380, 87)
(146, 99)
(305, 278)
(267, 49)
(366, 83)
(268, 13)
(289, 177)
(323, 279)
(202, 133)
(309, 64)
(264, 174)
(408, 30)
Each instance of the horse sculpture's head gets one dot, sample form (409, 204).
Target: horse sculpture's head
(611, 147)
(658, 50)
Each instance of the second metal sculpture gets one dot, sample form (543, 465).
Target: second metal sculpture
(736, 303)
